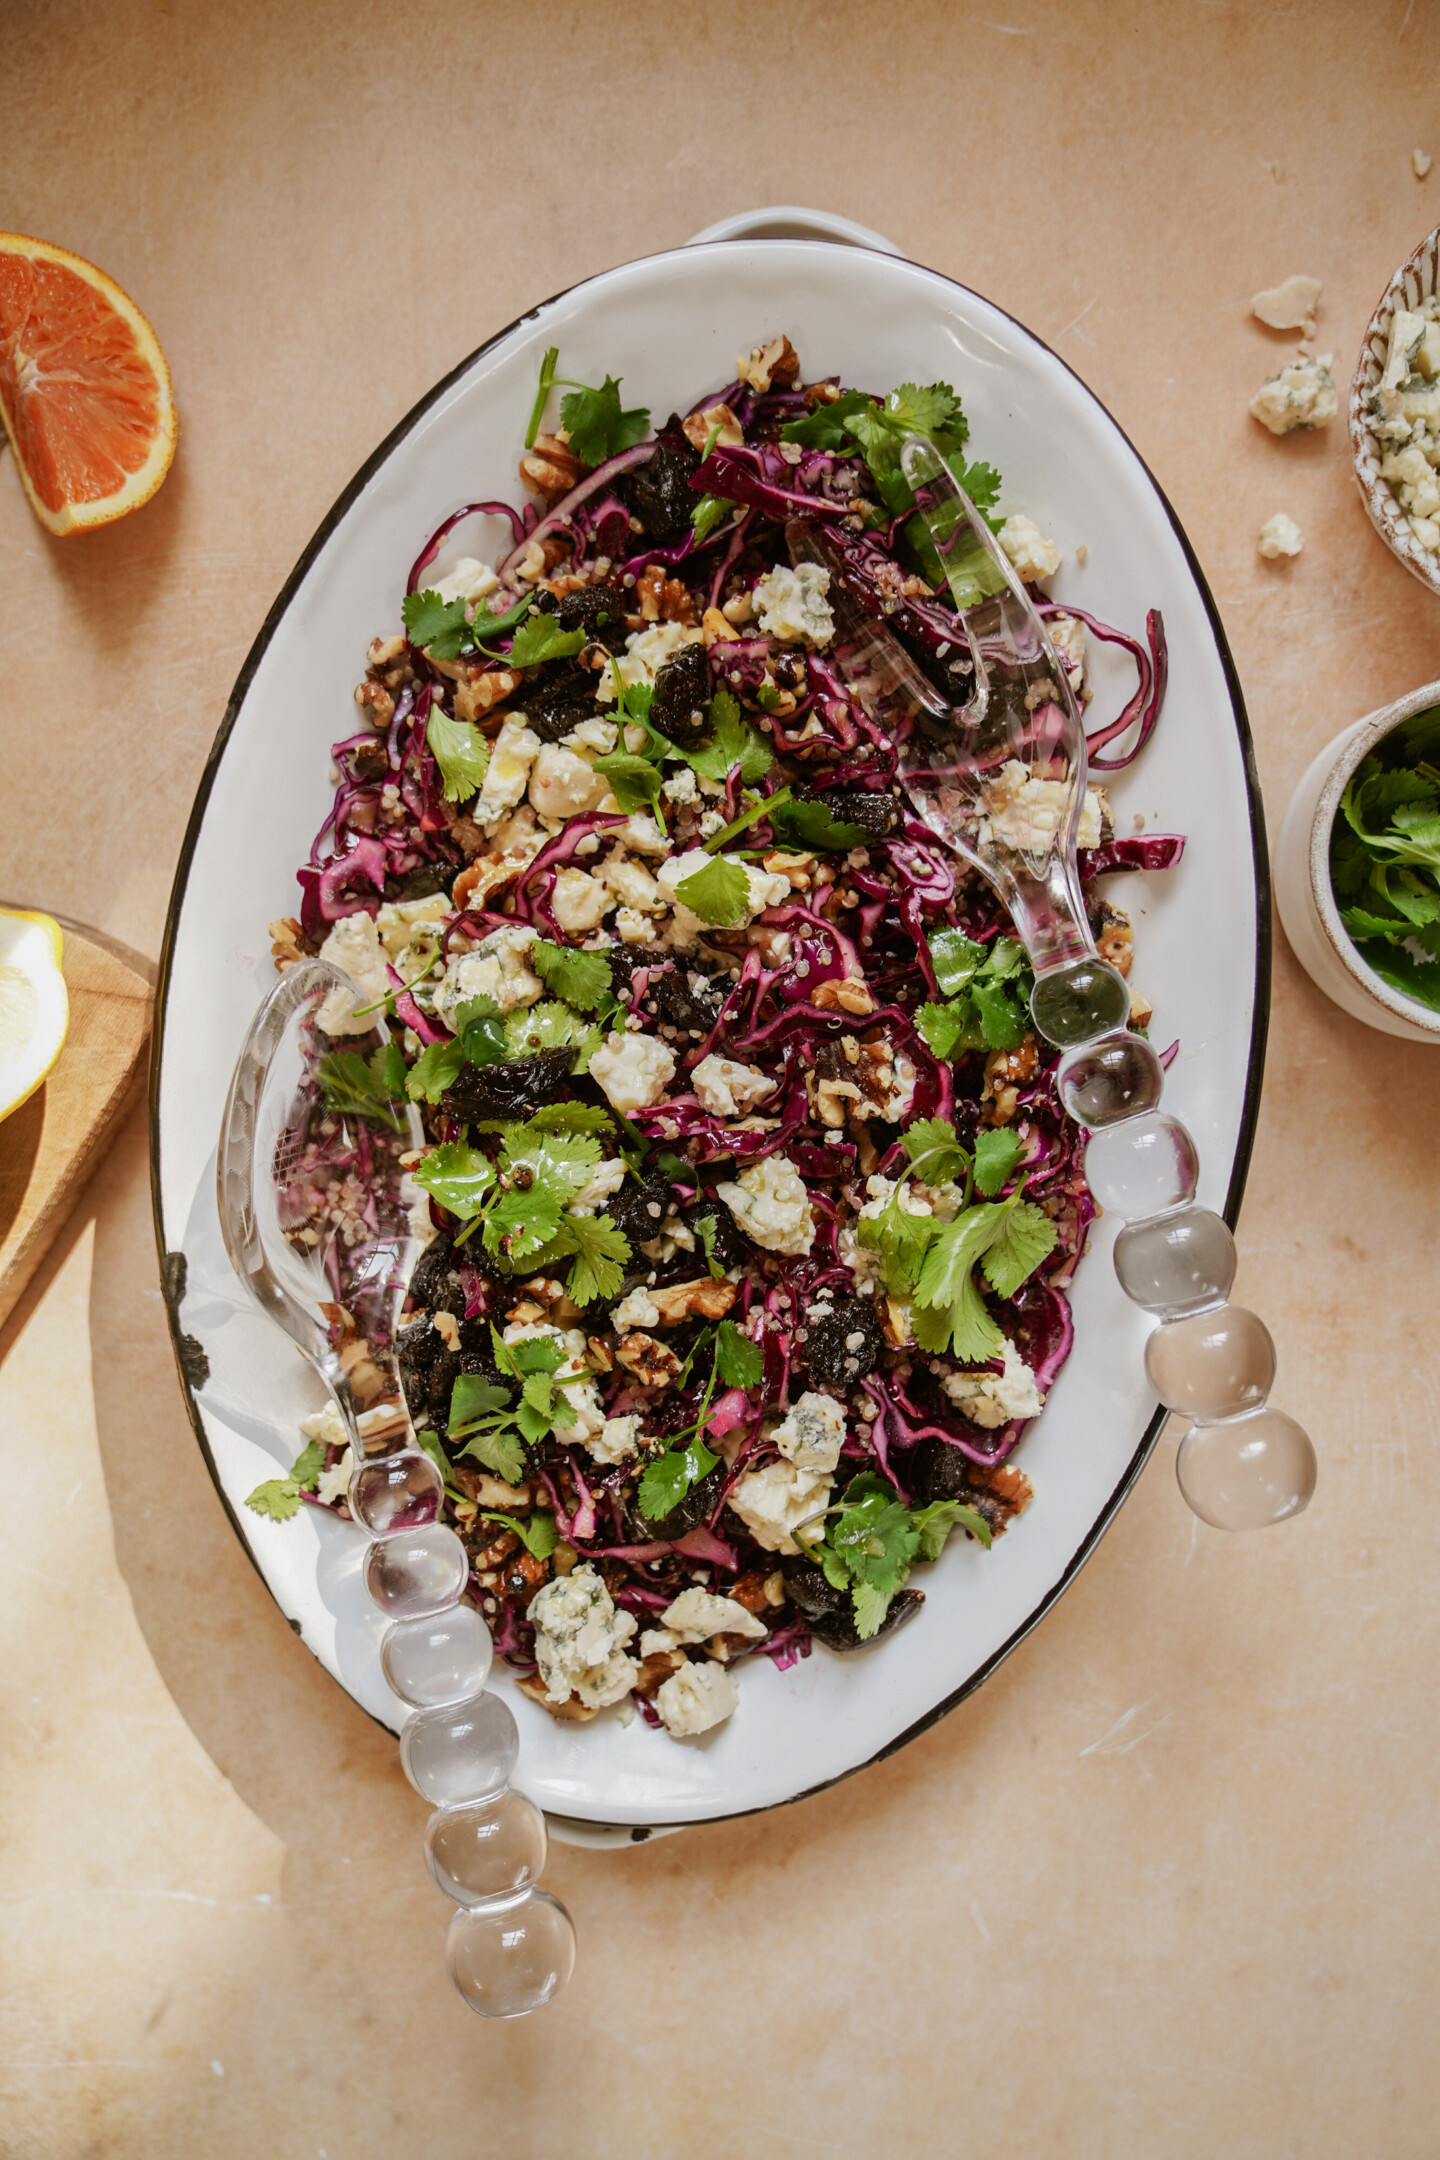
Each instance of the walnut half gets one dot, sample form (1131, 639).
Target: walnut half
(704, 1300)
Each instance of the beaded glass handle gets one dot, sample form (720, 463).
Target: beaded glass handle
(333, 1277)
(1002, 781)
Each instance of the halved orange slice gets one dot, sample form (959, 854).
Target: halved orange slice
(84, 389)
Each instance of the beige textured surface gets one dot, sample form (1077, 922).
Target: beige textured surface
(1169, 1884)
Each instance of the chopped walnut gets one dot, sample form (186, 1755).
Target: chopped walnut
(757, 1591)
(288, 943)
(598, 1354)
(447, 1327)
(650, 1362)
(704, 1299)
(662, 598)
(564, 1560)
(847, 995)
(795, 869)
(1006, 1072)
(478, 690)
(1142, 1012)
(776, 363)
(498, 1544)
(384, 653)
(701, 425)
(821, 393)
(570, 1712)
(550, 469)
(491, 1492)
(656, 1669)
(376, 703)
(895, 1318)
(829, 1099)
(1114, 937)
(715, 627)
(522, 1575)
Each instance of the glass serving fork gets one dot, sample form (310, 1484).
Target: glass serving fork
(1001, 780)
(337, 1291)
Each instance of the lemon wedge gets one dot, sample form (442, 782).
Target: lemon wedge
(34, 1006)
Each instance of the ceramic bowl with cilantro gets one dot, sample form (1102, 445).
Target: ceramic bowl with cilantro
(1357, 868)
(747, 1208)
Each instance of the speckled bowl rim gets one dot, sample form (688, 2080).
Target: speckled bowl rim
(1384, 511)
(1372, 730)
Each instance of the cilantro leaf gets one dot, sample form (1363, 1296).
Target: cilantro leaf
(719, 894)
(428, 1443)
(934, 412)
(1419, 979)
(956, 960)
(595, 424)
(738, 1360)
(706, 1228)
(1001, 1023)
(665, 1483)
(279, 1498)
(634, 781)
(733, 740)
(947, 1284)
(481, 1032)
(824, 429)
(1026, 1236)
(708, 513)
(540, 637)
(998, 1149)
(602, 1250)
(353, 1088)
(564, 1161)
(934, 1524)
(551, 1026)
(568, 1117)
(872, 1534)
(931, 1146)
(1004, 959)
(437, 625)
(531, 1354)
(473, 1397)
(951, 1028)
(458, 1176)
(438, 1067)
(871, 1606)
(520, 1223)
(460, 751)
(501, 1452)
(580, 978)
(538, 1535)
(815, 825)
(900, 1238)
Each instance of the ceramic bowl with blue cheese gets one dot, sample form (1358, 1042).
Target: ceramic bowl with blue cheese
(1394, 415)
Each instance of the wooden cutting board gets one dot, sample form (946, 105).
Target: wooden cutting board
(50, 1145)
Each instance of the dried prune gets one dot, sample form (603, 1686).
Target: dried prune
(424, 879)
(687, 999)
(830, 1614)
(658, 493)
(843, 1345)
(639, 1210)
(513, 1090)
(940, 1471)
(682, 693)
(561, 697)
(873, 810)
(727, 1242)
(689, 1512)
(598, 610)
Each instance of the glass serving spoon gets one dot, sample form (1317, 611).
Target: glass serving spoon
(1001, 780)
(322, 1239)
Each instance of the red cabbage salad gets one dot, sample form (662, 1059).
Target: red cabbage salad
(747, 1208)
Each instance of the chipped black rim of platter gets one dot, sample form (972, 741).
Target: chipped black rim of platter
(189, 1355)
